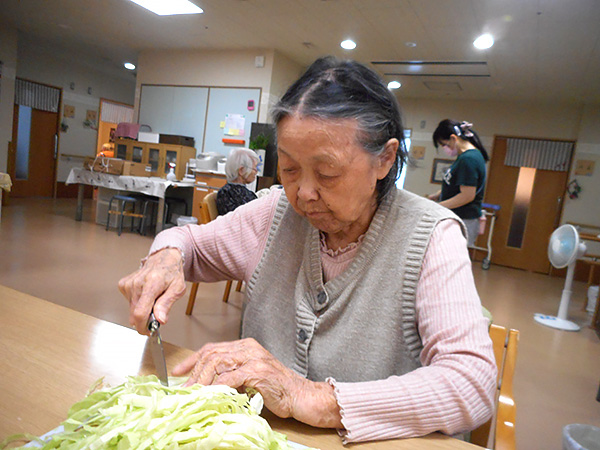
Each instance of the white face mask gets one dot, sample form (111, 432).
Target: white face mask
(450, 152)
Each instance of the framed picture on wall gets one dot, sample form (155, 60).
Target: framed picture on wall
(440, 166)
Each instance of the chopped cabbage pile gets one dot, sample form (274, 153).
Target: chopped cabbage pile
(143, 414)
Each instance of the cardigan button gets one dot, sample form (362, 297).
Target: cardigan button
(321, 298)
(302, 336)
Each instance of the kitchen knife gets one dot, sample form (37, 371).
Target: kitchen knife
(156, 348)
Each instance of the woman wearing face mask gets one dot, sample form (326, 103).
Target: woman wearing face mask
(463, 184)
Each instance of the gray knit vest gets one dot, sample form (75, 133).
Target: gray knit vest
(359, 326)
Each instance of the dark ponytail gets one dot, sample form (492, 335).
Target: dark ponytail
(463, 130)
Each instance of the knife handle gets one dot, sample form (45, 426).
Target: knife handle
(153, 324)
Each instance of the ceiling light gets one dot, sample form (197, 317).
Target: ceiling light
(394, 85)
(484, 41)
(129, 66)
(169, 7)
(410, 44)
(348, 44)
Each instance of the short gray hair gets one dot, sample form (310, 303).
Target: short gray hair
(336, 89)
(240, 158)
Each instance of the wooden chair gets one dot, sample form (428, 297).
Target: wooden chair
(209, 212)
(501, 427)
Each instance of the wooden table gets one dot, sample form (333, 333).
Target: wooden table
(595, 324)
(51, 355)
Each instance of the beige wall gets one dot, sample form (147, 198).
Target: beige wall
(207, 68)
(42, 63)
(285, 72)
(586, 208)
(8, 56)
(553, 121)
(511, 119)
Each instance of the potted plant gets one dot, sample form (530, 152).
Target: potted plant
(259, 142)
(259, 145)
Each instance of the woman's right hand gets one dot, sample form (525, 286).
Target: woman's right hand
(435, 196)
(154, 287)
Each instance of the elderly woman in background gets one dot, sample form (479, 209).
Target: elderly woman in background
(240, 170)
(361, 311)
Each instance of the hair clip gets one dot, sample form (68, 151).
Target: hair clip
(466, 129)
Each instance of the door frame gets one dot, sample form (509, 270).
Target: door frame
(560, 210)
(570, 165)
(11, 160)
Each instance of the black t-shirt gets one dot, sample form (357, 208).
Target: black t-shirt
(467, 170)
(231, 196)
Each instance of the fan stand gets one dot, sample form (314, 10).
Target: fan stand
(560, 322)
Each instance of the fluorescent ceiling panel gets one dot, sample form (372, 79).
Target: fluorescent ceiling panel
(169, 7)
(433, 68)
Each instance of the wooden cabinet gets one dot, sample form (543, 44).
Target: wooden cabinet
(177, 154)
(121, 148)
(158, 156)
(153, 158)
(206, 182)
(130, 150)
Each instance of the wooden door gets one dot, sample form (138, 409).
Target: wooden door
(532, 197)
(33, 174)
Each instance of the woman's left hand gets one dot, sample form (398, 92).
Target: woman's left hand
(246, 364)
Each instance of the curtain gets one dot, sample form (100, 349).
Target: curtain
(116, 113)
(36, 96)
(539, 154)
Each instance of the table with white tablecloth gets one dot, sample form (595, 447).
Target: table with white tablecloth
(153, 186)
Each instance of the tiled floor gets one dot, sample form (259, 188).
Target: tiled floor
(44, 252)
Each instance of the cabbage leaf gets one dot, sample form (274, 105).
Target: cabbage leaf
(143, 414)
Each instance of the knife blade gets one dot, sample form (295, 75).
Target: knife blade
(156, 348)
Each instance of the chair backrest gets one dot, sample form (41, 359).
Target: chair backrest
(501, 427)
(210, 204)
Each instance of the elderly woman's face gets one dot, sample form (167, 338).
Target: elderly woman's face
(328, 177)
(248, 176)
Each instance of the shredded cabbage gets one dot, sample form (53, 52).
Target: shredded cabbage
(143, 414)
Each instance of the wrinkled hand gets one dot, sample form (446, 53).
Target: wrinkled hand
(156, 286)
(245, 363)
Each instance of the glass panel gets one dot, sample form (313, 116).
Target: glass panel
(121, 151)
(136, 156)
(153, 158)
(23, 135)
(521, 207)
(171, 158)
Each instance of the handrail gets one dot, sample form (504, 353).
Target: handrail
(584, 225)
(66, 155)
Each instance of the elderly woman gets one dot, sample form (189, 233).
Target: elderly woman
(240, 169)
(361, 311)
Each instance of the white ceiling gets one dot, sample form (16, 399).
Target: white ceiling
(545, 50)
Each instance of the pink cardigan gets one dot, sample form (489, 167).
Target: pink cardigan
(454, 390)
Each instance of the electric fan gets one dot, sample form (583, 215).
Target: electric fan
(563, 250)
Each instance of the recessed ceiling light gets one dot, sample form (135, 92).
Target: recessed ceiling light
(394, 85)
(170, 7)
(129, 66)
(410, 44)
(348, 44)
(484, 41)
